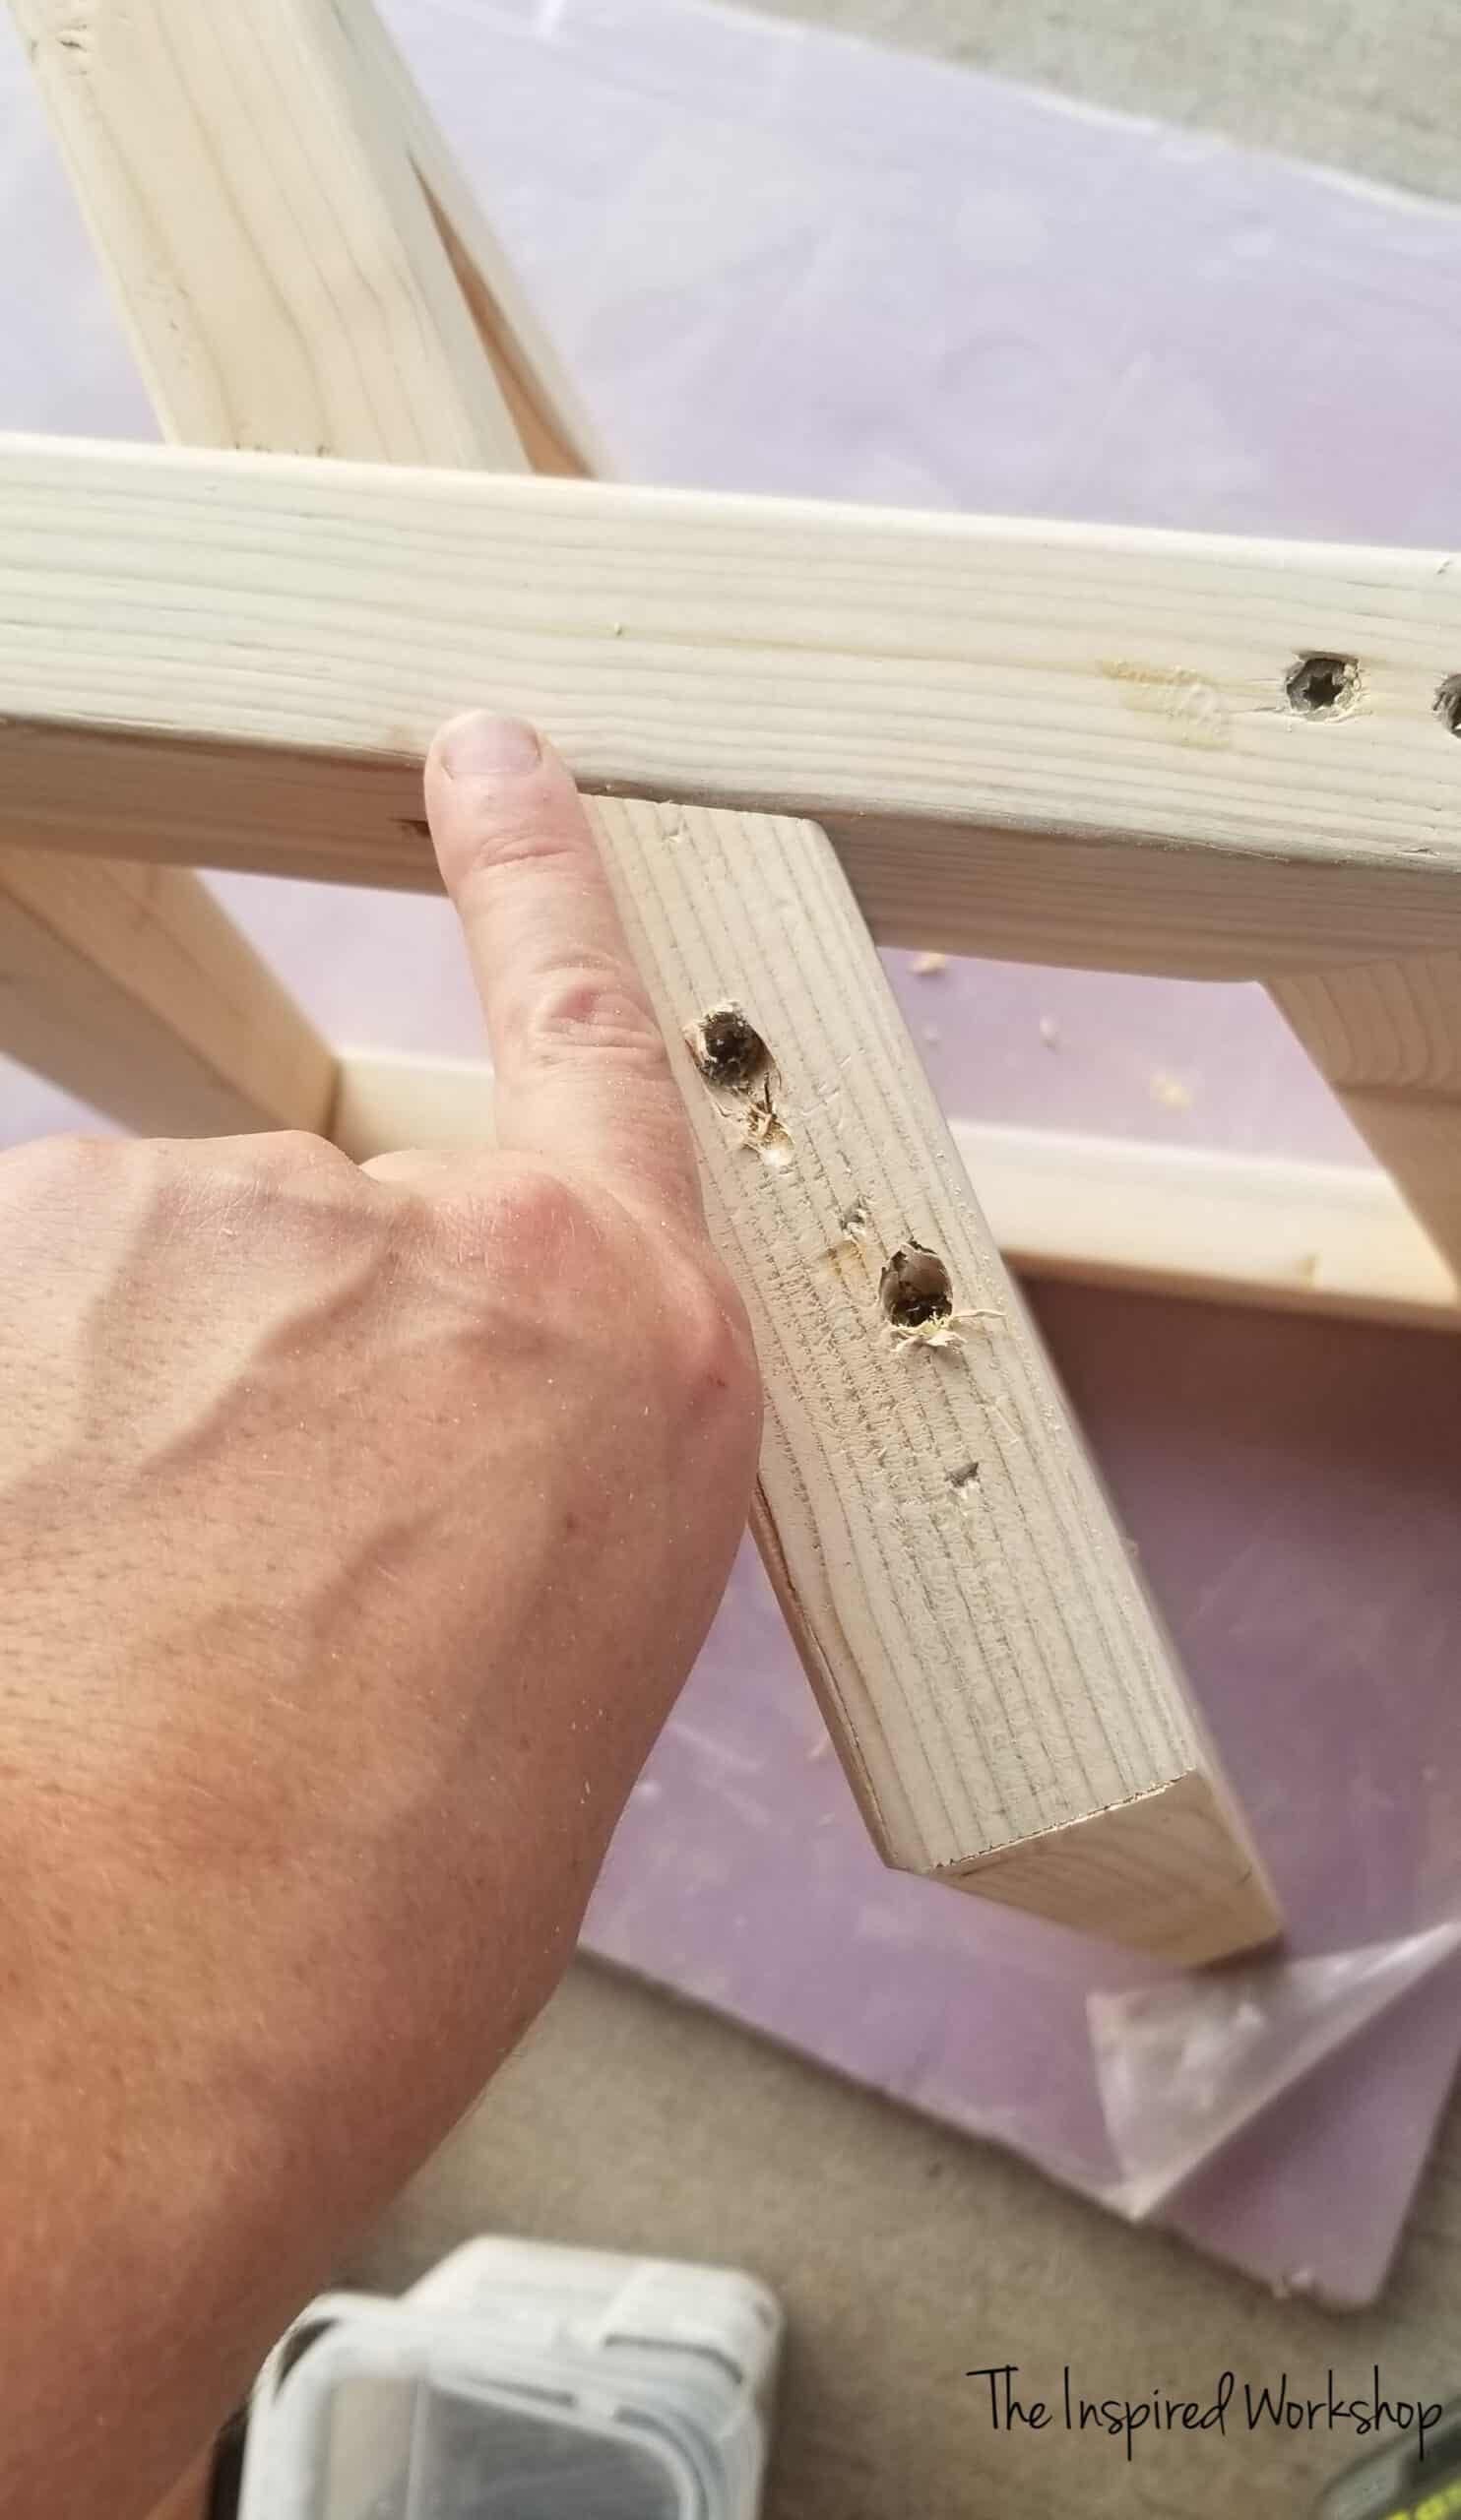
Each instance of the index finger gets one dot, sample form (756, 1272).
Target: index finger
(581, 1074)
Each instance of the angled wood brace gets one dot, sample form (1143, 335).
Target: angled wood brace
(1142, 752)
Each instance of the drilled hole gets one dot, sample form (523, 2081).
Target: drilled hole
(1323, 686)
(915, 1288)
(1448, 703)
(729, 1051)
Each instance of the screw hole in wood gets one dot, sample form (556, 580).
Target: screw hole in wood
(915, 1288)
(729, 1051)
(1322, 685)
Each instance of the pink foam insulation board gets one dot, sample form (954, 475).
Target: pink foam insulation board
(782, 261)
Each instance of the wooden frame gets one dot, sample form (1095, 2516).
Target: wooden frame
(987, 780)
(1139, 751)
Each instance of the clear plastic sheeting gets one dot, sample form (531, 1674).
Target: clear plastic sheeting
(1185, 2066)
(779, 260)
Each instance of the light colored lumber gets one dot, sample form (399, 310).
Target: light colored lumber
(1387, 1036)
(1418, 1139)
(249, 190)
(248, 184)
(1230, 1228)
(1007, 1710)
(942, 692)
(242, 198)
(283, 287)
(387, 1099)
(547, 409)
(1392, 1027)
(131, 988)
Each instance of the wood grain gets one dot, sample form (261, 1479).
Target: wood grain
(1250, 1229)
(131, 988)
(548, 412)
(991, 1670)
(936, 689)
(1229, 1229)
(250, 195)
(1388, 1037)
(1394, 1026)
(249, 192)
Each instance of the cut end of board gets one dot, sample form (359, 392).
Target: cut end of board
(1172, 1873)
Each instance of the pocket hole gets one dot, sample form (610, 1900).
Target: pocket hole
(915, 1288)
(1448, 703)
(729, 1051)
(1322, 686)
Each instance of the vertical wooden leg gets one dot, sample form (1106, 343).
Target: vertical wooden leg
(557, 433)
(1387, 1036)
(300, 262)
(277, 262)
(131, 988)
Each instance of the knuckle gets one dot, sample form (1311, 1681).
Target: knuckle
(529, 1222)
(287, 1151)
(290, 1188)
(713, 1354)
(535, 1207)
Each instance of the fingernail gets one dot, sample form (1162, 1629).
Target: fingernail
(481, 746)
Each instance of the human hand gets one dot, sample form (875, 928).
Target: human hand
(357, 1528)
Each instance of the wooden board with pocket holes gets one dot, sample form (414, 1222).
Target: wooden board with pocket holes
(1000, 1692)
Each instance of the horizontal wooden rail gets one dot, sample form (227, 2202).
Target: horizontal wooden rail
(1232, 1228)
(1059, 744)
